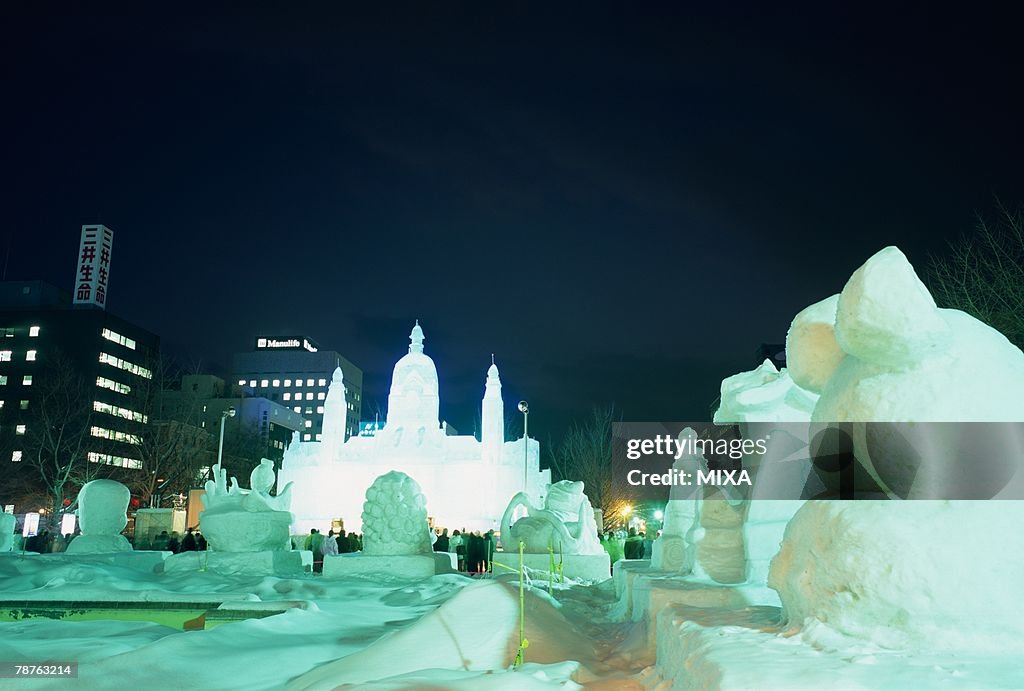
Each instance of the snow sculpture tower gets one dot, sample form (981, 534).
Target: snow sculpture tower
(335, 413)
(492, 419)
(413, 403)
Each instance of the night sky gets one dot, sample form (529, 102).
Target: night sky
(622, 205)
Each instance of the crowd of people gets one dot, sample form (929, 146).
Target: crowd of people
(474, 552)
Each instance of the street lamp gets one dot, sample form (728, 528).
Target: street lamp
(230, 412)
(524, 408)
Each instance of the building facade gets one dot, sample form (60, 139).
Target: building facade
(293, 372)
(48, 346)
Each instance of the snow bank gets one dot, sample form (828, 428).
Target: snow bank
(477, 630)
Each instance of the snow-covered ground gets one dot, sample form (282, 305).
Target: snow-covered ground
(449, 631)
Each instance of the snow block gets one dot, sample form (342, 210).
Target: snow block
(143, 560)
(408, 566)
(266, 563)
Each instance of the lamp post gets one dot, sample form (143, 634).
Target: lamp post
(524, 408)
(230, 412)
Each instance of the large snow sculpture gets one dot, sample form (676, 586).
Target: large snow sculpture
(396, 535)
(566, 523)
(395, 517)
(564, 530)
(942, 574)
(239, 520)
(102, 515)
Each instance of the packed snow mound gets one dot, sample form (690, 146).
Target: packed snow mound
(763, 395)
(885, 314)
(932, 574)
(477, 630)
(908, 361)
(812, 351)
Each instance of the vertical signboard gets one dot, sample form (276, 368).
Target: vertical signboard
(93, 273)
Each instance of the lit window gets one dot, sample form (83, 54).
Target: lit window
(118, 338)
(26, 380)
(3, 380)
(241, 382)
(30, 356)
(322, 382)
(117, 386)
(1, 404)
(309, 410)
(23, 404)
(309, 423)
(264, 383)
(287, 396)
(318, 436)
(309, 382)
(19, 429)
(320, 410)
(297, 409)
(252, 383)
(15, 456)
(287, 382)
(33, 331)
(203, 424)
(321, 396)
(307, 437)
(108, 359)
(309, 396)
(5, 355)
(277, 382)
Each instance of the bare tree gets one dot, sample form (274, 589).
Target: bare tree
(176, 445)
(57, 435)
(983, 274)
(585, 453)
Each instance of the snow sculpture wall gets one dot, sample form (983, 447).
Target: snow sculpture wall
(102, 515)
(395, 517)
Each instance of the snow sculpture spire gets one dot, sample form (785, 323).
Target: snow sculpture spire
(416, 338)
(492, 418)
(335, 412)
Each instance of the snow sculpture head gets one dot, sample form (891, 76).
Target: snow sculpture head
(102, 507)
(900, 358)
(566, 523)
(763, 395)
(240, 520)
(102, 515)
(395, 517)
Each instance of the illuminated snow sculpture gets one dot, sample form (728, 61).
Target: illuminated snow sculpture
(396, 535)
(468, 480)
(240, 520)
(564, 529)
(395, 517)
(566, 522)
(102, 515)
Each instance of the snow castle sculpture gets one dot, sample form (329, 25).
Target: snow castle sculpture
(102, 515)
(467, 480)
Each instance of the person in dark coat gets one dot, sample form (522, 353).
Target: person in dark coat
(173, 543)
(442, 542)
(188, 543)
(344, 544)
(200, 542)
(634, 547)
